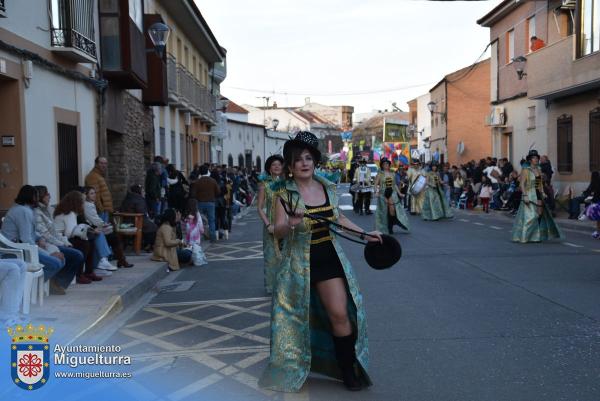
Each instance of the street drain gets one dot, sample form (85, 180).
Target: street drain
(177, 286)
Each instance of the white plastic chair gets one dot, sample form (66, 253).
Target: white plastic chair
(34, 282)
(35, 286)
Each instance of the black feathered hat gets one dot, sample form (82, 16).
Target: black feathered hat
(383, 255)
(533, 153)
(270, 161)
(303, 140)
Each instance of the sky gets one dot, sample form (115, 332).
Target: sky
(366, 54)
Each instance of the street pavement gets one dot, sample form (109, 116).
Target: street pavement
(465, 315)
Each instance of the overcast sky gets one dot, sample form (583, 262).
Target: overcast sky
(313, 48)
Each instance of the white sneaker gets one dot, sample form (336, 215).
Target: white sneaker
(226, 234)
(104, 264)
(582, 217)
(102, 273)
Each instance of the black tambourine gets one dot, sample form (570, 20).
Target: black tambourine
(379, 255)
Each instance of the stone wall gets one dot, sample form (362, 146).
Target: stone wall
(129, 136)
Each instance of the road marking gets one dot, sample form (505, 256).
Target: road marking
(479, 224)
(572, 245)
(596, 250)
(195, 387)
(214, 301)
(496, 227)
(350, 207)
(464, 220)
(345, 195)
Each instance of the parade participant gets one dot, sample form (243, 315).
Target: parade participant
(317, 312)
(435, 205)
(362, 187)
(273, 172)
(389, 205)
(416, 185)
(534, 222)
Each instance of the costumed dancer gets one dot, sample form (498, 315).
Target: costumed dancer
(435, 204)
(317, 317)
(271, 252)
(416, 186)
(534, 222)
(363, 188)
(390, 210)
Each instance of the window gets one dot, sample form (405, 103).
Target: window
(588, 36)
(595, 140)
(258, 163)
(510, 46)
(173, 144)
(68, 169)
(230, 160)
(530, 31)
(240, 160)
(531, 117)
(182, 150)
(136, 13)
(564, 143)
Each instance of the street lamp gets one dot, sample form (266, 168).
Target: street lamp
(159, 33)
(275, 124)
(432, 106)
(519, 64)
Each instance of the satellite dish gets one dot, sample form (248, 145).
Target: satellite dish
(460, 148)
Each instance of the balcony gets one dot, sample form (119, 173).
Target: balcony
(2, 9)
(553, 72)
(72, 33)
(188, 93)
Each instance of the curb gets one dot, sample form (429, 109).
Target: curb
(125, 298)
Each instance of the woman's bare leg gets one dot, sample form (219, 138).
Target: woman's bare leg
(333, 297)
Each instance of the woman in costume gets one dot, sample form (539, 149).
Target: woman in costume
(534, 222)
(317, 318)
(435, 205)
(416, 199)
(273, 170)
(389, 205)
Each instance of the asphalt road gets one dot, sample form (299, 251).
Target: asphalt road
(465, 315)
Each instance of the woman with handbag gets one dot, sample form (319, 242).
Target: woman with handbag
(271, 251)
(317, 317)
(388, 195)
(65, 222)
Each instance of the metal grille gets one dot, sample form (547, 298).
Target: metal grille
(73, 25)
(163, 142)
(565, 144)
(2, 8)
(173, 147)
(595, 140)
(68, 166)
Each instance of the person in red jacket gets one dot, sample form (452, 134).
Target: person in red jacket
(536, 43)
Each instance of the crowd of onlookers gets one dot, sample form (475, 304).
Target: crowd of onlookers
(78, 237)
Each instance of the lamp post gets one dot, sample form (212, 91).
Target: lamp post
(159, 34)
(275, 124)
(432, 106)
(519, 64)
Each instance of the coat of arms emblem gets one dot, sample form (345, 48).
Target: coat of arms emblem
(30, 355)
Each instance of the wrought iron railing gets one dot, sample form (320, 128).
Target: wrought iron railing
(73, 25)
(2, 8)
(189, 91)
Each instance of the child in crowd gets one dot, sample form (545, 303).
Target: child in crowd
(485, 193)
(193, 228)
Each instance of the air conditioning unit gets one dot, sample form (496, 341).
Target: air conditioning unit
(568, 4)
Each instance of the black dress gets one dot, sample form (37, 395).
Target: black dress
(324, 261)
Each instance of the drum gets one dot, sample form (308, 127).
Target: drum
(418, 186)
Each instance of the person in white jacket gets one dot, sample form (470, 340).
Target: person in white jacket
(66, 226)
(105, 237)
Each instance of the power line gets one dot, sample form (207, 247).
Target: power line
(353, 93)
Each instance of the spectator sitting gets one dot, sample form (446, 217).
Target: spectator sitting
(134, 202)
(65, 221)
(19, 226)
(105, 236)
(593, 210)
(166, 246)
(12, 283)
(575, 203)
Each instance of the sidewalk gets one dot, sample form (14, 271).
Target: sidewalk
(88, 306)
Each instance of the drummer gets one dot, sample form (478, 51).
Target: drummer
(363, 187)
(416, 186)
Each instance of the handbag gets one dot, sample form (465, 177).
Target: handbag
(198, 257)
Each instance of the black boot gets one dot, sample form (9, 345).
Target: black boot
(346, 357)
